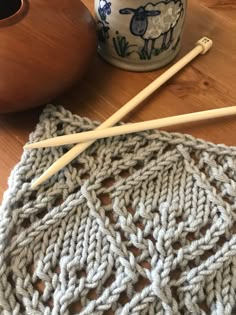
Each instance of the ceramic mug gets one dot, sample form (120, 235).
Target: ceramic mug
(139, 35)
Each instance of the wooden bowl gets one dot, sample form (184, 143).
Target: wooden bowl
(45, 47)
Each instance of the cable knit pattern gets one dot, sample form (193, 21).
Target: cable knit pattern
(137, 224)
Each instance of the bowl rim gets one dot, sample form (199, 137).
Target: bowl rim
(17, 16)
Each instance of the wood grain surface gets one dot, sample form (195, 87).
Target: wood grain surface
(209, 82)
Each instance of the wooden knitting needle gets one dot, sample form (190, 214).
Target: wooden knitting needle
(135, 127)
(202, 46)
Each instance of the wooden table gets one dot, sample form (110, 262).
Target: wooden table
(209, 82)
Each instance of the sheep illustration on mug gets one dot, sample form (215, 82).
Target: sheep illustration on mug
(152, 21)
(104, 9)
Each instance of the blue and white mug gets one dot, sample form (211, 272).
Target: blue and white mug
(139, 35)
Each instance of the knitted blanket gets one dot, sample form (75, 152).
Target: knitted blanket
(137, 224)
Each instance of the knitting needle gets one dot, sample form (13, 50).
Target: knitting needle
(135, 127)
(202, 46)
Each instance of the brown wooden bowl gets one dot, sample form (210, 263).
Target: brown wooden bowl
(45, 47)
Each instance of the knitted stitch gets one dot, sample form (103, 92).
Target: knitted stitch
(137, 224)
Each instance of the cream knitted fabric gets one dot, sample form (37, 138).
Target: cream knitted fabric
(138, 224)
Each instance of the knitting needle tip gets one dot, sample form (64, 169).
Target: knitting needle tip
(37, 182)
(30, 145)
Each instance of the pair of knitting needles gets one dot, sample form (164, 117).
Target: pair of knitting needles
(104, 130)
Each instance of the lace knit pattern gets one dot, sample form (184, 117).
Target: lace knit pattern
(137, 224)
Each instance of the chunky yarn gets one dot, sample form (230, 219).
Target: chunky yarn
(137, 224)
